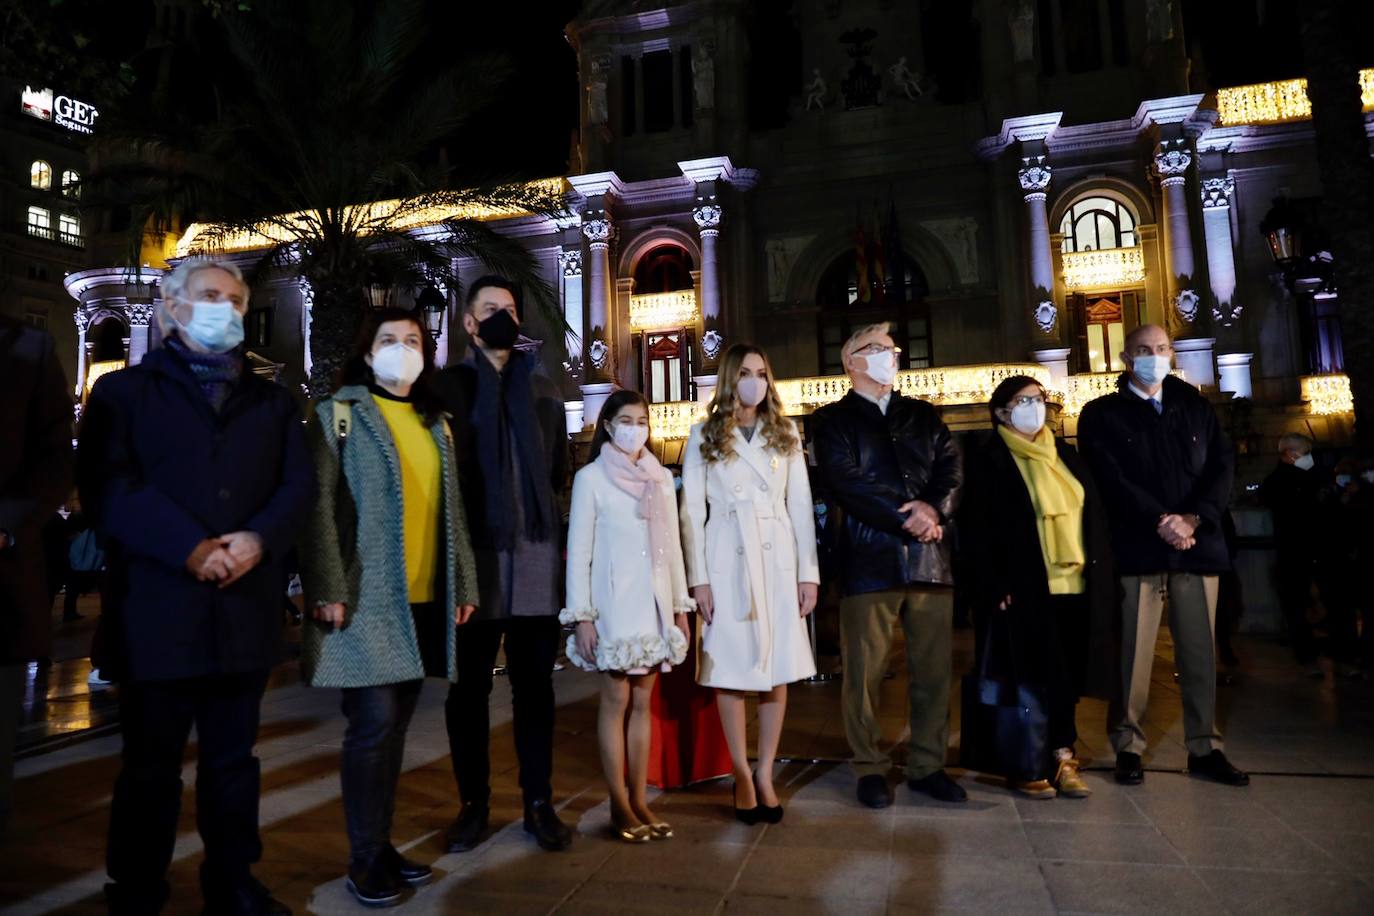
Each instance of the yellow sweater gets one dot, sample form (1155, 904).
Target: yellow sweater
(421, 491)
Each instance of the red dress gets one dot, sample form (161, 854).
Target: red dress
(688, 741)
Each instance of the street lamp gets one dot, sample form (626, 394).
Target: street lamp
(1282, 228)
(378, 290)
(432, 305)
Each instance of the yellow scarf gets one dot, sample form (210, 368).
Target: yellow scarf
(1058, 500)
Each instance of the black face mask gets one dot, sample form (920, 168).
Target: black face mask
(498, 331)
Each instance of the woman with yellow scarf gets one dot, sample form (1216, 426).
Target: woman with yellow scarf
(1036, 546)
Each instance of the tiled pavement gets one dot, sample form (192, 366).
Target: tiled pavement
(1287, 844)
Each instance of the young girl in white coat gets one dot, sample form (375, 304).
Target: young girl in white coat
(750, 542)
(627, 594)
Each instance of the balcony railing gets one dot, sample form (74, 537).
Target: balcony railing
(1111, 268)
(662, 311)
(43, 232)
(54, 235)
(1087, 386)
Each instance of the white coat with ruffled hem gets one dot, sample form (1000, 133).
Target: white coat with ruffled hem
(749, 533)
(612, 580)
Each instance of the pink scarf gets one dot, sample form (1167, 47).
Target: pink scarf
(643, 481)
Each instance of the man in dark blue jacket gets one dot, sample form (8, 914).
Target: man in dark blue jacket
(195, 474)
(1165, 468)
(892, 469)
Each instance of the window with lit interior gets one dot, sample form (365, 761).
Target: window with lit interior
(69, 226)
(40, 175)
(40, 222)
(1096, 224)
(71, 184)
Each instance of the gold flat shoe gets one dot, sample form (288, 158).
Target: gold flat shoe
(1070, 782)
(1039, 788)
(640, 834)
(661, 831)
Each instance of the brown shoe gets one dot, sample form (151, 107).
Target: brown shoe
(1069, 781)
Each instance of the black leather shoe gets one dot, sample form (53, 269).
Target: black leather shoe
(1129, 771)
(768, 814)
(874, 791)
(250, 898)
(749, 816)
(413, 873)
(1217, 768)
(549, 832)
(467, 828)
(374, 884)
(939, 786)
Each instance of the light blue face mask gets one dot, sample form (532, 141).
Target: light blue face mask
(216, 326)
(1151, 370)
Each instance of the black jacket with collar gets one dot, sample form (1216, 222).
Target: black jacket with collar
(871, 463)
(1150, 464)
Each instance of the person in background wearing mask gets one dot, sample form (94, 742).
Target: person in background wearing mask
(510, 433)
(1035, 530)
(388, 575)
(1165, 468)
(750, 543)
(895, 475)
(194, 472)
(1291, 493)
(627, 599)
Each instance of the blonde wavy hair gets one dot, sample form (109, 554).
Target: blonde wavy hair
(717, 432)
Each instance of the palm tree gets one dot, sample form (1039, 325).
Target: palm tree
(322, 117)
(1335, 50)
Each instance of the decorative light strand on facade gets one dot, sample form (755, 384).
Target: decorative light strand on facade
(1111, 268)
(1327, 395)
(1088, 386)
(1273, 103)
(674, 419)
(663, 311)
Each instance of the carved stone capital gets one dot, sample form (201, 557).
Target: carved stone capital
(1172, 159)
(82, 319)
(140, 313)
(1216, 192)
(571, 262)
(1034, 174)
(597, 230)
(707, 216)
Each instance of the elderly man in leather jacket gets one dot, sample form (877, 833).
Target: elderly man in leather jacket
(894, 474)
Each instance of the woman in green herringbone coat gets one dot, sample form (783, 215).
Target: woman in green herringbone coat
(388, 574)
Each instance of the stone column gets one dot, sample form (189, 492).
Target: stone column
(707, 215)
(1234, 372)
(1221, 255)
(140, 317)
(570, 264)
(1034, 178)
(1185, 319)
(83, 321)
(598, 364)
(307, 317)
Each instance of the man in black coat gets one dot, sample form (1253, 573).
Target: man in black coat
(894, 475)
(1291, 492)
(511, 440)
(35, 477)
(1165, 468)
(194, 473)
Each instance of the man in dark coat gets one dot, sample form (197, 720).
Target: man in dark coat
(194, 472)
(1165, 468)
(1291, 493)
(894, 474)
(510, 435)
(35, 477)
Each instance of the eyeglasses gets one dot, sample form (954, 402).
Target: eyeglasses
(1027, 400)
(874, 349)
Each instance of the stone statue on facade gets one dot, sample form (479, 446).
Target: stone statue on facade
(816, 91)
(1159, 20)
(598, 108)
(1021, 22)
(704, 74)
(908, 82)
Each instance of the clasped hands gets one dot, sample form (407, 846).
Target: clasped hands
(1178, 530)
(225, 559)
(923, 522)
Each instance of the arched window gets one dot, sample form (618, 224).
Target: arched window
(40, 175)
(1096, 224)
(843, 311)
(663, 269)
(71, 184)
(40, 222)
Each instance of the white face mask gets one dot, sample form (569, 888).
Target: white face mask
(751, 391)
(1150, 370)
(1304, 461)
(1028, 418)
(629, 438)
(398, 364)
(882, 367)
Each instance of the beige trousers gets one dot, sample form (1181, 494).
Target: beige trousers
(1192, 621)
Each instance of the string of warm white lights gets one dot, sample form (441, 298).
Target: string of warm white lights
(1111, 268)
(1327, 395)
(1272, 103)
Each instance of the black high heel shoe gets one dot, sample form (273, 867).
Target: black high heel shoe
(748, 816)
(769, 814)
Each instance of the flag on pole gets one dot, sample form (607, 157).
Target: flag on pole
(878, 265)
(864, 290)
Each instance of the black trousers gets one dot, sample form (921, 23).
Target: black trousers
(373, 749)
(155, 719)
(1295, 575)
(1061, 687)
(531, 650)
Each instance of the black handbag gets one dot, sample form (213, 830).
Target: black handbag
(1004, 728)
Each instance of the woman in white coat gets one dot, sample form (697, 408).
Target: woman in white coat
(627, 595)
(750, 543)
